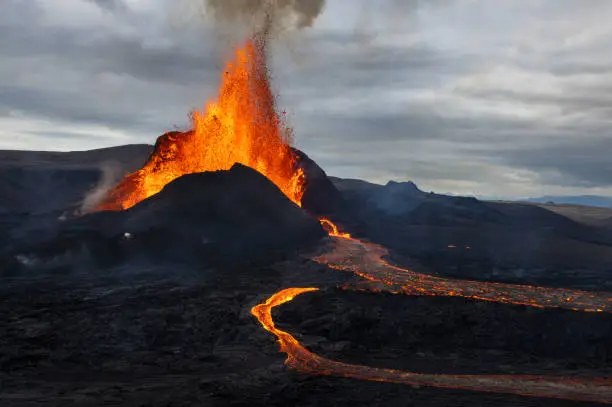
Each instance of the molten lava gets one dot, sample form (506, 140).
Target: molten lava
(242, 127)
(301, 359)
(366, 260)
(332, 229)
(263, 313)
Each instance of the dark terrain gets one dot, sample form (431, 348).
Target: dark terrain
(450, 335)
(491, 241)
(97, 317)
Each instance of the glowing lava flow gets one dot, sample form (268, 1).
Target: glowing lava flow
(366, 260)
(301, 359)
(242, 127)
(332, 229)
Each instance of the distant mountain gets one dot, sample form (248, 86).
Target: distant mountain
(586, 200)
(468, 237)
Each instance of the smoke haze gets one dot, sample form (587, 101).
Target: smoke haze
(288, 13)
(111, 174)
(272, 17)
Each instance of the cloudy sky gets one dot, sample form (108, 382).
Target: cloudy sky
(504, 98)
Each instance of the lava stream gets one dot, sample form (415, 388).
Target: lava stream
(366, 260)
(332, 229)
(301, 359)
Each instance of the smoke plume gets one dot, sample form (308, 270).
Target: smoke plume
(270, 17)
(111, 173)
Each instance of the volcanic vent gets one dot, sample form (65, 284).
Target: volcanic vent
(241, 127)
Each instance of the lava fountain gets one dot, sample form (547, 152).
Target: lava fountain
(241, 127)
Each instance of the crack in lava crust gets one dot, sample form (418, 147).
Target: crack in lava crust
(366, 260)
(302, 360)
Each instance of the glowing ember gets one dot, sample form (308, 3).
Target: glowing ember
(242, 127)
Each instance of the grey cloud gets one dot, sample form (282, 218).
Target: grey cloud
(67, 105)
(590, 109)
(111, 5)
(68, 68)
(92, 53)
(352, 105)
(581, 163)
(51, 135)
(572, 98)
(337, 66)
(414, 125)
(572, 68)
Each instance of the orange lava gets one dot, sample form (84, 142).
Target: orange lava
(263, 313)
(366, 260)
(332, 229)
(301, 359)
(241, 127)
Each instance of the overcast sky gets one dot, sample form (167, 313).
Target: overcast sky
(504, 98)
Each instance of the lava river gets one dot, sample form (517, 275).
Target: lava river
(366, 260)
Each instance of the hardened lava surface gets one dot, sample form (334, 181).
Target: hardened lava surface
(366, 260)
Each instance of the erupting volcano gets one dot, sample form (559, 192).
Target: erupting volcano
(360, 293)
(241, 127)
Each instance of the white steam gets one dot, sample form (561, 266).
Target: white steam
(111, 175)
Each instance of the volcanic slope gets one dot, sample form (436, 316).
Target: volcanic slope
(209, 218)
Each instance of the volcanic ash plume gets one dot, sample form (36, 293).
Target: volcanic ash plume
(270, 16)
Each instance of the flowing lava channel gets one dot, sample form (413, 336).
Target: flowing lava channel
(301, 359)
(243, 127)
(366, 260)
